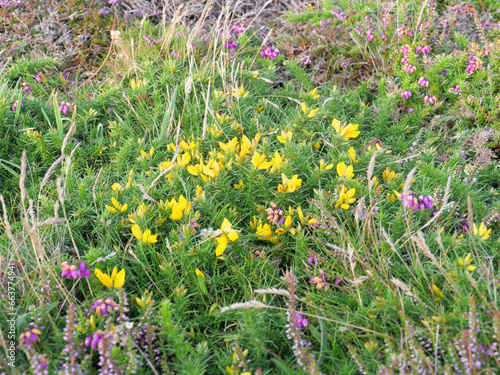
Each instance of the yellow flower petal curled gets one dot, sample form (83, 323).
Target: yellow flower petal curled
(222, 241)
(103, 278)
(119, 280)
(199, 273)
(136, 231)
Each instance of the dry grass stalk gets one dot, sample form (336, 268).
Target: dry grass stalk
(245, 305)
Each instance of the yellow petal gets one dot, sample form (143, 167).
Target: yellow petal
(103, 278)
(136, 231)
(222, 241)
(119, 279)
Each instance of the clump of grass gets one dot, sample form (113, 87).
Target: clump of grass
(200, 204)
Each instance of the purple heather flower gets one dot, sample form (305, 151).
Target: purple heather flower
(38, 78)
(423, 82)
(430, 99)
(406, 94)
(28, 337)
(340, 15)
(175, 54)
(241, 27)
(95, 340)
(383, 36)
(269, 53)
(475, 63)
(232, 44)
(63, 107)
(104, 306)
(402, 31)
(73, 272)
(113, 1)
(103, 11)
(307, 60)
(312, 261)
(151, 41)
(369, 36)
(418, 202)
(14, 107)
(411, 110)
(301, 321)
(410, 68)
(423, 49)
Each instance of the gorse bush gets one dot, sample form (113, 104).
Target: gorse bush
(212, 200)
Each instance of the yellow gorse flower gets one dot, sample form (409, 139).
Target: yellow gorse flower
(324, 166)
(260, 161)
(145, 155)
(345, 131)
(314, 94)
(389, 175)
(289, 185)
(145, 300)
(240, 186)
(135, 85)
(344, 171)
(483, 233)
(352, 155)
(285, 136)
(118, 207)
(438, 292)
(146, 237)
(116, 280)
(225, 233)
(179, 208)
(466, 263)
(309, 112)
(346, 198)
(240, 92)
(303, 218)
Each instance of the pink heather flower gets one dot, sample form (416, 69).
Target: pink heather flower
(340, 15)
(103, 11)
(311, 261)
(423, 49)
(401, 31)
(370, 37)
(14, 107)
(231, 44)
(241, 27)
(423, 82)
(475, 63)
(406, 94)
(113, 1)
(28, 337)
(95, 340)
(64, 107)
(383, 36)
(430, 99)
(405, 60)
(418, 202)
(73, 272)
(269, 53)
(411, 110)
(38, 78)
(405, 49)
(410, 68)
(307, 60)
(104, 306)
(175, 54)
(301, 321)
